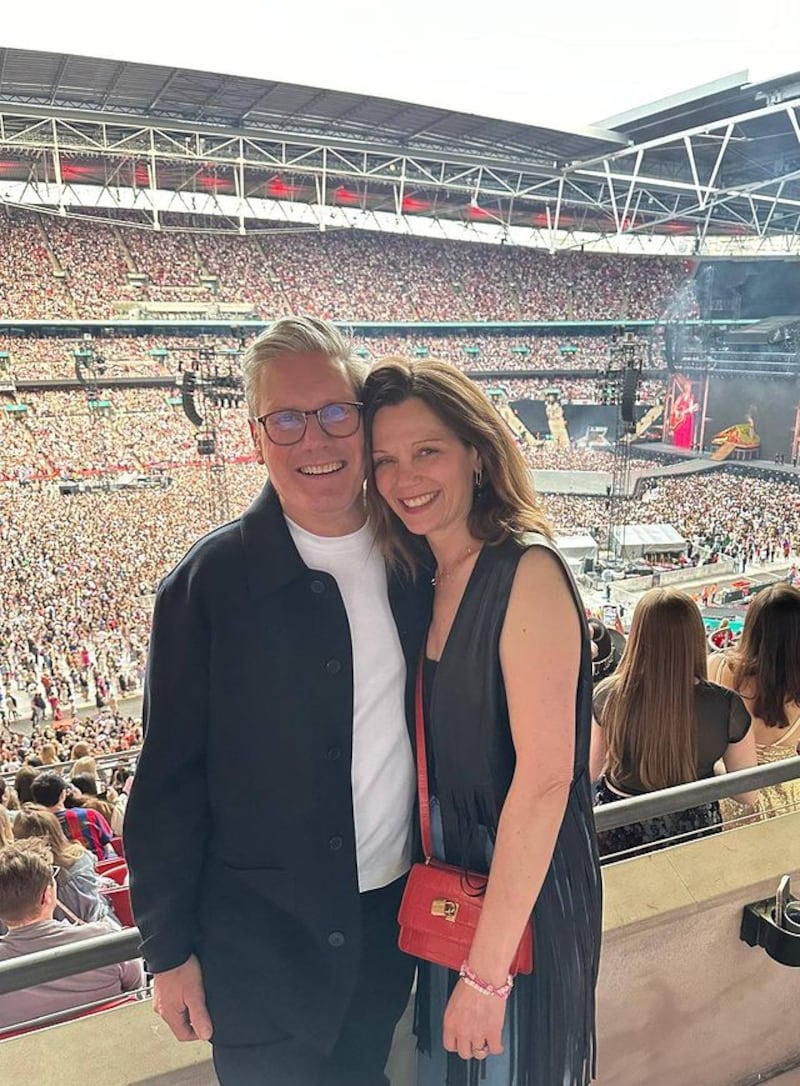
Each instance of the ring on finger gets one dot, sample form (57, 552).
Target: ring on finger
(480, 1052)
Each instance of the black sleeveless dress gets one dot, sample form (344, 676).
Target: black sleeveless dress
(550, 1016)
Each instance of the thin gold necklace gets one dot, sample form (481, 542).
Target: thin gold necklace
(445, 574)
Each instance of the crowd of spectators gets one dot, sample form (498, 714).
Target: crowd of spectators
(77, 576)
(735, 516)
(61, 435)
(40, 357)
(55, 268)
(53, 740)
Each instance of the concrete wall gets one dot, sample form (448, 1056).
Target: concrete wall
(681, 999)
(682, 1002)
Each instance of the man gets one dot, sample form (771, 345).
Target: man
(27, 902)
(82, 824)
(268, 905)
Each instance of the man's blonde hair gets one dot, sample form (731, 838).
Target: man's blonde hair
(298, 335)
(26, 870)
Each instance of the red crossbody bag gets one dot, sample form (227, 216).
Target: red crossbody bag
(442, 904)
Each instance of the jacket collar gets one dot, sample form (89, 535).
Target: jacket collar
(271, 558)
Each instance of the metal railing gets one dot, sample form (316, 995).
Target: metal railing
(104, 761)
(669, 800)
(120, 946)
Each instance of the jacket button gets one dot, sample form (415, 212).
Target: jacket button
(336, 938)
(318, 587)
(335, 843)
(333, 754)
(333, 667)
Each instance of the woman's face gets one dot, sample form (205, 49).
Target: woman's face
(423, 470)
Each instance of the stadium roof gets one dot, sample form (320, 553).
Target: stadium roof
(718, 165)
(160, 93)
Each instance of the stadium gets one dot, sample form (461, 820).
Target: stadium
(628, 299)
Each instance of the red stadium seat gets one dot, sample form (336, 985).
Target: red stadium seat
(113, 869)
(120, 899)
(118, 845)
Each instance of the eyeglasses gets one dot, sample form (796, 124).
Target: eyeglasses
(56, 871)
(289, 426)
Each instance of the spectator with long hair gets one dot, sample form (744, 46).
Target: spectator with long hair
(764, 669)
(77, 882)
(659, 722)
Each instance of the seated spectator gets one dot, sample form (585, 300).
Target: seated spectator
(87, 767)
(80, 750)
(86, 789)
(27, 903)
(764, 669)
(659, 722)
(78, 885)
(23, 781)
(80, 824)
(48, 754)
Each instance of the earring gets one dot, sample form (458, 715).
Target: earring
(478, 478)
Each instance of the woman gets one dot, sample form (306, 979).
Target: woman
(659, 722)
(506, 662)
(764, 669)
(48, 754)
(77, 883)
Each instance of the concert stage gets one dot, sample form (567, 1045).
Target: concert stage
(703, 461)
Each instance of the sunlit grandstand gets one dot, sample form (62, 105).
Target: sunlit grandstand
(627, 297)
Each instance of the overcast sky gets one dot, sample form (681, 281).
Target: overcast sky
(569, 64)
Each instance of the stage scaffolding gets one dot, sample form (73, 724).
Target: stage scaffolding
(623, 373)
(209, 383)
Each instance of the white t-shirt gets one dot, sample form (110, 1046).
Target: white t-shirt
(383, 773)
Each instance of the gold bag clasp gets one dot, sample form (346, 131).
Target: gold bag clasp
(445, 908)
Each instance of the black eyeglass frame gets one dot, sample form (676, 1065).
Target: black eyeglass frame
(317, 411)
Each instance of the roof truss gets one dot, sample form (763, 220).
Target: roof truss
(732, 183)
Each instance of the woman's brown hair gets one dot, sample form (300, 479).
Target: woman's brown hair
(648, 717)
(33, 821)
(765, 665)
(6, 832)
(504, 505)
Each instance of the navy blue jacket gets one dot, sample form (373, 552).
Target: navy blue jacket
(239, 830)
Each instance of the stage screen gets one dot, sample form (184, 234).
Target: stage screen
(772, 405)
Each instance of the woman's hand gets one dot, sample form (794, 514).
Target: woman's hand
(473, 1023)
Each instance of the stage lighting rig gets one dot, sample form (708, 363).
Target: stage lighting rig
(90, 366)
(209, 382)
(623, 374)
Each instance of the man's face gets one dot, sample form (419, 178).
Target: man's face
(320, 479)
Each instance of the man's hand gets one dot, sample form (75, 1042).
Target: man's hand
(180, 999)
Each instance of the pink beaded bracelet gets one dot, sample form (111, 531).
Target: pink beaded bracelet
(470, 977)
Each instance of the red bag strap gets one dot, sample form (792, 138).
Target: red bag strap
(422, 764)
